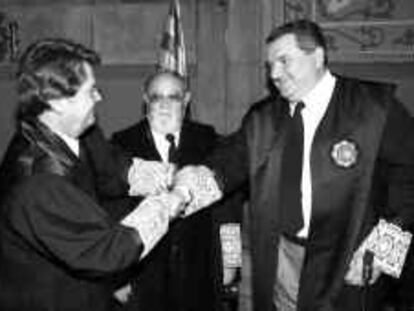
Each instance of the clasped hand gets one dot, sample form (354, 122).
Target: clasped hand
(190, 189)
(155, 178)
(149, 177)
(168, 195)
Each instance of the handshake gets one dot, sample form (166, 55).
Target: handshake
(184, 192)
(168, 194)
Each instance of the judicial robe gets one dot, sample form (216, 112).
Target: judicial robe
(57, 245)
(350, 192)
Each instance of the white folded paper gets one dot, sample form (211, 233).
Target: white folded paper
(231, 248)
(390, 245)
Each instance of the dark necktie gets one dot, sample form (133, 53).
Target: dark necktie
(172, 150)
(292, 173)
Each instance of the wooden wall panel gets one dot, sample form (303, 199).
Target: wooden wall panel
(7, 108)
(33, 3)
(128, 34)
(55, 20)
(122, 33)
(244, 78)
(210, 84)
(131, 33)
(244, 86)
(122, 96)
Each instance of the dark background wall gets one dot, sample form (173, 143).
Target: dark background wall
(225, 46)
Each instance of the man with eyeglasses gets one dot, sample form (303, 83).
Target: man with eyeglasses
(182, 272)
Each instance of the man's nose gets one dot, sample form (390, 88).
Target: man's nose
(164, 103)
(275, 71)
(97, 95)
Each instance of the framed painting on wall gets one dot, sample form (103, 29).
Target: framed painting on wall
(361, 30)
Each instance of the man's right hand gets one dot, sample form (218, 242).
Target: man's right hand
(150, 218)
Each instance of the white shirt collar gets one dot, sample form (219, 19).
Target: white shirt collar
(162, 144)
(321, 94)
(72, 143)
(318, 98)
(161, 137)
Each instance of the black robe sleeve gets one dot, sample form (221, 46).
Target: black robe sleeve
(396, 159)
(229, 161)
(67, 227)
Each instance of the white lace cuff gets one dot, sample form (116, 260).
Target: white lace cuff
(150, 219)
(203, 190)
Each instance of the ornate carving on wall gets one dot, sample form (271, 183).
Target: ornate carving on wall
(8, 38)
(123, 33)
(52, 20)
(361, 30)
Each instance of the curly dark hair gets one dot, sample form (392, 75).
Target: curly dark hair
(48, 69)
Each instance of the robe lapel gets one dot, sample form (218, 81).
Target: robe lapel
(265, 137)
(340, 188)
(187, 147)
(47, 141)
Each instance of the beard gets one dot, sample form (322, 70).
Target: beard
(164, 124)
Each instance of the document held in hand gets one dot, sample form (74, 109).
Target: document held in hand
(390, 244)
(230, 237)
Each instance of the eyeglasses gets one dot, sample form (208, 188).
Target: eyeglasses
(155, 98)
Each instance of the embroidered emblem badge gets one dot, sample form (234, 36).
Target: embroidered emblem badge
(345, 153)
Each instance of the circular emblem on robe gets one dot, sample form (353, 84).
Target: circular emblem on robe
(344, 153)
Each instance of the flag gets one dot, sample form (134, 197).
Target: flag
(172, 54)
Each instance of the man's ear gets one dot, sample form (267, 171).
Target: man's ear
(145, 98)
(187, 98)
(320, 57)
(58, 105)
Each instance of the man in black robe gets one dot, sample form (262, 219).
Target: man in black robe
(355, 187)
(57, 244)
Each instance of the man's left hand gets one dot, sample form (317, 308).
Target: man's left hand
(354, 275)
(122, 294)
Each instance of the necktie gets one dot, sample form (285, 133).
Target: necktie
(292, 173)
(172, 150)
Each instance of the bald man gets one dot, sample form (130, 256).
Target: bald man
(184, 272)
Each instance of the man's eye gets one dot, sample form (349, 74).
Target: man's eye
(284, 60)
(176, 97)
(172, 97)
